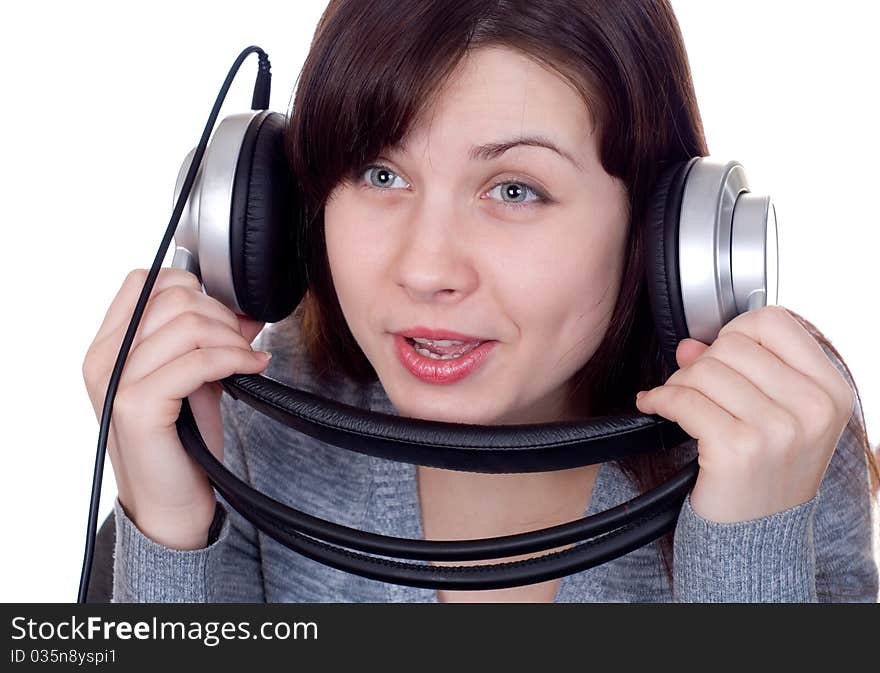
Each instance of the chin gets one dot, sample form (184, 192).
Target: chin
(442, 414)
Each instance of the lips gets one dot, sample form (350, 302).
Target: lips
(430, 370)
(440, 334)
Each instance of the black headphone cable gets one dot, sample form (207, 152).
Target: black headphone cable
(260, 101)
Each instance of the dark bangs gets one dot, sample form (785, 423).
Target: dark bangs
(372, 70)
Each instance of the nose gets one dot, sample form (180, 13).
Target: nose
(435, 258)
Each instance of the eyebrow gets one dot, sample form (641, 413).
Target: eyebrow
(492, 150)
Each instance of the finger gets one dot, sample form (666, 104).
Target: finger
(122, 307)
(184, 333)
(166, 306)
(783, 385)
(181, 377)
(779, 332)
(689, 350)
(726, 387)
(176, 300)
(696, 414)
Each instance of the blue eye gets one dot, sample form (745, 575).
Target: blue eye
(515, 189)
(381, 177)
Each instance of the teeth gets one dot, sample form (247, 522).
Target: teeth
(434, 356)
(443, 342)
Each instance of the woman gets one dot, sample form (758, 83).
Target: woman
(482, 168)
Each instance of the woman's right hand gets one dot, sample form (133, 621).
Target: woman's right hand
(185, 342)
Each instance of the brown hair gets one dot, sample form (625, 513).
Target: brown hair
(373, 68)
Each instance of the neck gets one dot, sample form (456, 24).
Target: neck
(509, 502)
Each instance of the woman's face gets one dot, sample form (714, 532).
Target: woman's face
(523, 247)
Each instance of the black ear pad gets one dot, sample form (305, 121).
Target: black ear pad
(661, 257)
(264, 217)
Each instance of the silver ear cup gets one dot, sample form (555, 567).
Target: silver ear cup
(186, 236)
(202, 238)
(755, 253)
(727, 248)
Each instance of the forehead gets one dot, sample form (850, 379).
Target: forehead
(498, 93)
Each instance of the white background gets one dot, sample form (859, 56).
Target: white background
(101, 101)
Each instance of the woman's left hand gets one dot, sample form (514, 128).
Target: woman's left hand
(767, 408)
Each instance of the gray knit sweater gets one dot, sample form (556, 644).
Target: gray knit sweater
(821, 550)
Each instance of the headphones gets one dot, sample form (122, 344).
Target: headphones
(238, 224)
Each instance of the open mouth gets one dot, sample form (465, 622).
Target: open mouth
(442, 350)
(441, 368)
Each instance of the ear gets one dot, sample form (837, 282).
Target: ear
(689, 350)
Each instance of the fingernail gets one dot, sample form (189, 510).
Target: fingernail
(639, 394)
(265, 355)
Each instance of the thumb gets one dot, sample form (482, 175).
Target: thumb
(249, 327)
(689, 350)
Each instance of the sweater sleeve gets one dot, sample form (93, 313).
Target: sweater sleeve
(227, 570)
(819, 551)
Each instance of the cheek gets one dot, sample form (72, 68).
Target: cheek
(351, 254)
(346, 229)
(567, 296)
(355, 240)
(581, 268)
(338, 231)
